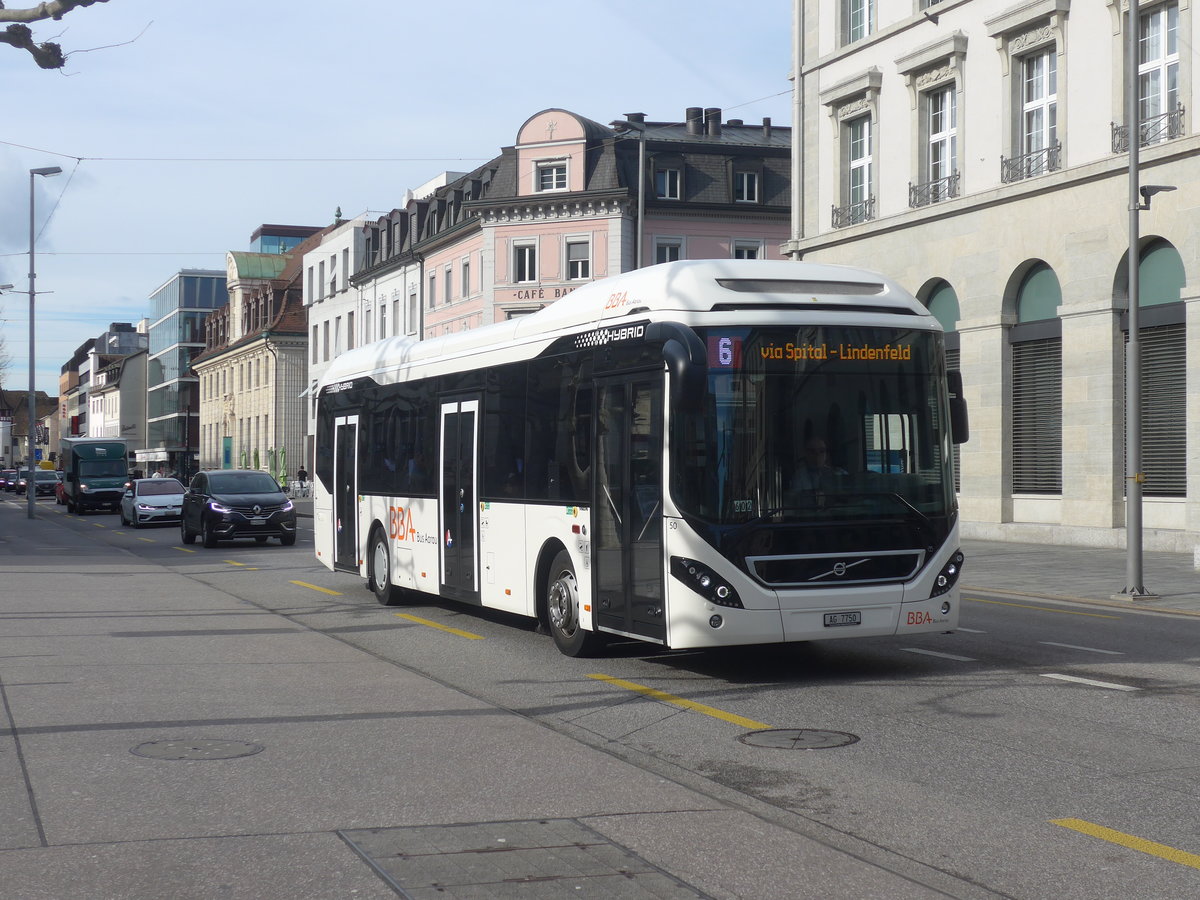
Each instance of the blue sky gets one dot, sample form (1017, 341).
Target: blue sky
(208, 119)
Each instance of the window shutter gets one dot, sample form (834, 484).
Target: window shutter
(1164, 420)
(1037, 417)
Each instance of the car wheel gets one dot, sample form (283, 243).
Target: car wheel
(287, 540)
(379, 572)
(184, 535)
(133, 521)
(562, 609)
(260, 539)
(210, 537)
(121, 513)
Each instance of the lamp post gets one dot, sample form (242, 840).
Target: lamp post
(30, 485)
(623, 127)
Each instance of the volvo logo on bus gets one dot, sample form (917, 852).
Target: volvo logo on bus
(604, 336)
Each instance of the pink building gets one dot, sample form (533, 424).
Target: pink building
(564, 206)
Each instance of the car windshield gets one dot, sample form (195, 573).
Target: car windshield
(159, 486)
(242, 483)
(46, 476)
(814, 424)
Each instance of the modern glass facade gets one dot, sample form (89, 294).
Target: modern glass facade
(178, 309)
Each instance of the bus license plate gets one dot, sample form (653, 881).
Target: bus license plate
(843, 618)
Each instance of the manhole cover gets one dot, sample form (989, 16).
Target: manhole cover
(798, 738)
(202, 749)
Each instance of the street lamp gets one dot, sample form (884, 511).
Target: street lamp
(30, 485)
(623, 127)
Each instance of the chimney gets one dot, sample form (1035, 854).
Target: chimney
(636, 118)
(766, 127)
(712, 121)
(735, 122)
(695, 120)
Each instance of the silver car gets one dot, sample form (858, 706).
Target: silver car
(150, 501)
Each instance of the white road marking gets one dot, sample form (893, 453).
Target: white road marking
(940, 655)
(970, 630)
(1100, 684)
(1077, 647)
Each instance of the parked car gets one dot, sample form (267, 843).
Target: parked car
(151, 501)
(8, 479)
(223, 504)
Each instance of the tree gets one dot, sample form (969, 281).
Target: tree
(48, 55)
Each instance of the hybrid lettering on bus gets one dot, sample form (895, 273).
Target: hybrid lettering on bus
(695, 454)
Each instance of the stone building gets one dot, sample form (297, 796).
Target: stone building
(976, 151)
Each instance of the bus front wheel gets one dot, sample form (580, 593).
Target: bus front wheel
(379, 574)
(562, 609)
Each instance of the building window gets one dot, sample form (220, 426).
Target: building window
(395, 314)
(859, 204)
(1039, 101)
(579, 261)
(321, 279)
(1037, 385)
(666, 184)
(747, 249)
(382, 320)
(350, 331)
(856, 19)
(411, 325)
(466, 277)
(449, 282)
(1158, 71)
(668, 249)
(745, 187)
(943, 133)
(524, 263)
(552, 175)
(337, 335)
(316, 345)
(345, 268)
(431, 300)
(325, 339)
(311, 298)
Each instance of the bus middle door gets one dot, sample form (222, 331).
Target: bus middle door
(345, 493)
(458, 506)
(627, 505)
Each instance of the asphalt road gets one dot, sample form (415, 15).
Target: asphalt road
(1045, 750)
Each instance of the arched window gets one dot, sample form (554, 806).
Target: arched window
(943, 304)
(1036, 342)
(1161, 278)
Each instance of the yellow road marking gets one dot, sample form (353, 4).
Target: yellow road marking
(680, 701)
(315, 588)
(183, 549)
(1133, 843)
(439, 627)
(147, 540)
(97, 525)
(233, 562)
(1065, 612)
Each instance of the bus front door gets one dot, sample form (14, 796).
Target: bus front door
(458, 507)
(627, 504)
(345, 493)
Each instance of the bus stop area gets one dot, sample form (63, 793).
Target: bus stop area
(163, 738)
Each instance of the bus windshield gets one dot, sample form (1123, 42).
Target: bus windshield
(816, 424)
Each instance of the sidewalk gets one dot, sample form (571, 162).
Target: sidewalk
(1079, 573)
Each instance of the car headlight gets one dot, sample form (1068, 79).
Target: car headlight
(218, 508)
(145, 507)
(287, 506)
(83, 487)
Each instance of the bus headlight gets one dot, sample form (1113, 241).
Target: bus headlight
(948, 577)
(705, 582)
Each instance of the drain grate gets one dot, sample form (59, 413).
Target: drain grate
(200, 749)
(798, 739)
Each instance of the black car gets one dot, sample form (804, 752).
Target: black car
(44, 480)
(223, 504)
(8, 479)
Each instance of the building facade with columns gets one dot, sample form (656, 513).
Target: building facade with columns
(976, 151)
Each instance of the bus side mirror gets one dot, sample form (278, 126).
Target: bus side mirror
(686, 359)
(959, 428)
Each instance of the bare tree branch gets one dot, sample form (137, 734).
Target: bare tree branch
(48, 55)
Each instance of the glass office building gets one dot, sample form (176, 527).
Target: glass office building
(177, 313)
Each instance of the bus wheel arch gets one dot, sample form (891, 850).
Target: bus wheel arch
(379, 556)
(559, 603)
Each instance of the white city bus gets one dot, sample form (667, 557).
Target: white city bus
(631, 460)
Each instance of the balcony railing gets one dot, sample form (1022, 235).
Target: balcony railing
(1154, 130)
(932, 191)
(1029, 165)
(854, 213)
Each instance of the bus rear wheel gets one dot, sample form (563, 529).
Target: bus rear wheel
(562, 610)
(379, 574)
